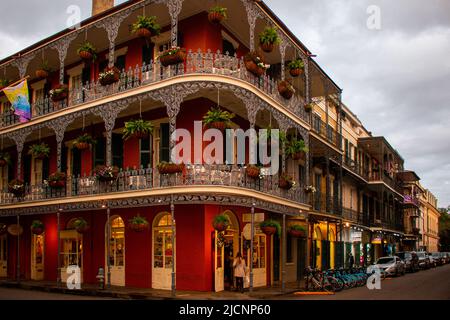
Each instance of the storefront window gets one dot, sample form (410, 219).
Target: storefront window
(71, 250)
(117, 243)
(162, 251)
(259, 252)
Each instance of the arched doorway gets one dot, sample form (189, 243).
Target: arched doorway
(37, 256)
(162, 251)
(226, 247)
(332, 239)
(317, 243)
(71, 250)
(116, 250)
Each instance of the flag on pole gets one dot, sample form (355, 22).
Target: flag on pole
(18, 96)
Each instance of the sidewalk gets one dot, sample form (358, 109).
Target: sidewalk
(152, 294)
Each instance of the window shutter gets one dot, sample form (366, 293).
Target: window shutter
(45, 168)
(164, 152)
(147, 53)
(100, 152)
(121, 62)
(76, 162)
(27, 169)
(117, 150)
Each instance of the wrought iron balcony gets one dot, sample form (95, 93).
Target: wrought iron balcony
(322, 203)
(326, 132)
(410, 200)
(148, 179)
(196, 63)
(356, 167)
(388, 226)
(353, 215)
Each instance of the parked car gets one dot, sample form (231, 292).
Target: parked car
(410, 259)
(390, 266)
(438, 258)
(424, 260)
(446, 256)
(433, 260)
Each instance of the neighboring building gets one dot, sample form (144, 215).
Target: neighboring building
(358, 205)
(429, 225)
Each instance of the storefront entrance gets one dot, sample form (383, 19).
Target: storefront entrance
(116, 251)
(71, 252)
(162, 252)
(3, 256)
(37, 257)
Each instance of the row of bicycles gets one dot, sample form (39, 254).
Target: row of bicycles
(335, 279)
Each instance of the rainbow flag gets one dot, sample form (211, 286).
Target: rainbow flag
(18, 96)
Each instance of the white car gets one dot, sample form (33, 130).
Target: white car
(390, 266)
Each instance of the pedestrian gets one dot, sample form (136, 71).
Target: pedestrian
(239, 271)
(351, 260)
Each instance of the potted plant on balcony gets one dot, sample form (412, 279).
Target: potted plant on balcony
(43, 71)
(39, 150)
(221, 222)
(218, 119)
(146, 27)
(83, 142)
(296, 67)
(252, 171)
(217, 14)
(310, 189)
(138, 223)
(286, 89)
(5, 159)
(297, 231)
(285, 182)
(268, 39)
(87, 51)
(174, 55)
(296, 149)
(81, 225)
(106, 173)
(138, 129)
(17, 187)
(37, 227)
(59, 93)
(109, 76)
(270, 227)
(309, 107)
(254, 63)
(57, 180)
(170, 167)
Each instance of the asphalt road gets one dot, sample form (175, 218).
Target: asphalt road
(20, 294)
(432, 284)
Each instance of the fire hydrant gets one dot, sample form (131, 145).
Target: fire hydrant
(101, 278)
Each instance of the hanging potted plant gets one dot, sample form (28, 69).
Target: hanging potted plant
(59, 93)
(87, 51)
(170, 167)
(217, 14)
(138, 223)
(285, 182)
(81, 225)
(221, 222)
(218, 119)
(109, 76)
(297, 231)
(138, 129)
(286, 89)
(252, 171)
(146, 27)
(254, 63)
(268, 39)
(57, 180)
(270, 227)
(43, 71)
(296, 67)
(106, 173)
(39, 150)
(308, 107)
(5, 159)
(174, 55)
(296, 149)
(83, 142)
(37, 227)
(16, 187)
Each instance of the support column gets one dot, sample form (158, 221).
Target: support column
(58, 258)
(62, 45)
(174, 7)
(252, 235)
(19, 137)
(59, 126)
(283, 251)
(172, 212)
(327, 184)
(252, 15)
(22, 62)
(284, 44)
(108, 250)
(18, 249)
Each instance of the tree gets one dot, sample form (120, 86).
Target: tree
(444, 230)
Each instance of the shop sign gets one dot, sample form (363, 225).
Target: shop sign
(247, 231)
(356, 236)
(247, 217)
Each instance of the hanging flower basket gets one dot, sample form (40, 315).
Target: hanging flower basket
(217, 14)
(109, 76)
(219, 125)
(87, 51)
(270, 227)
(295, 72)
(268, 39)
(296, 67)
(17, 188)
(267, 47)
(254, 63)
(221, 222)
(37, 227)
(285, 183)
(57, 180)
(81, 225)
(172, 56)
(170, 168)
(144, 33)
(297, 231)
(146, 27)
(83, 142)
(106, 174)
(138, 224)
(286, 89)
(252, 171)
(59, 93)
(298, 156)
(41, 74)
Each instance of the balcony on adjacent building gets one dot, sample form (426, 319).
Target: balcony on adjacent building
(356, 168)
(326, 132)
(409, 200)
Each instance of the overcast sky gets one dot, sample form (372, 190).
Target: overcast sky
(396, 79)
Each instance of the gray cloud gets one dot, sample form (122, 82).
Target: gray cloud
(396, 79)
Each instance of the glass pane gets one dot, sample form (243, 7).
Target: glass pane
(158, 249)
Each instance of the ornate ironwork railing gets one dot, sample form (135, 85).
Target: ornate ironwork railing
(196, 63)
(147, 179)
(356, 167)
(322, 203)
(326, 132)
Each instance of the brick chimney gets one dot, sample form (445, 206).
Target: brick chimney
(98, 6)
